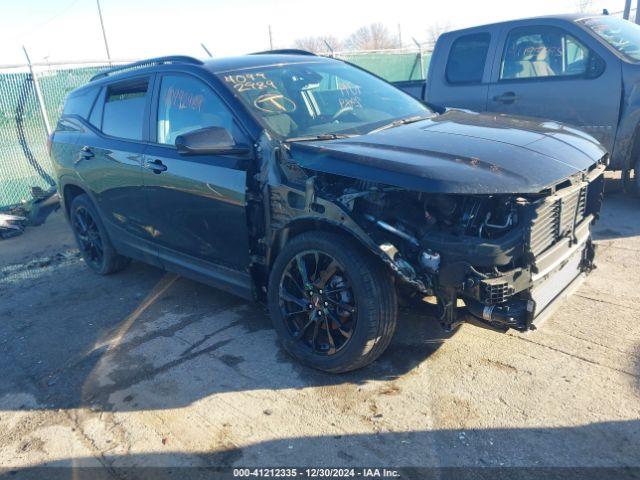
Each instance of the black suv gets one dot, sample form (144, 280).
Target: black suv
(314, 186)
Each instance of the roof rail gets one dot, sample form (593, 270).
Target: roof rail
(285, 51)
(148, 63)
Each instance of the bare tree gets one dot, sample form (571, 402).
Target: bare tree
(435, 30)
(584, 6)
(317, 44)
(372, 37)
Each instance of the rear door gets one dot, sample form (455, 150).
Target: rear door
(110, 163)
(196, 203)
(548, 72)
(465, 79)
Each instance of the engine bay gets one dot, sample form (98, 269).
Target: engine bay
(473, 248)
(421, 224)
(478, 249)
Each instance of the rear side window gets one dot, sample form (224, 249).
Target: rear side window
(467, 58)
(80, 103)
(95, 118)
(123, 111)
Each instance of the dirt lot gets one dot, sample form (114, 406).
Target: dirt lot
(147, 368)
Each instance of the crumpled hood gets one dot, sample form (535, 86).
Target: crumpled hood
(459, 152)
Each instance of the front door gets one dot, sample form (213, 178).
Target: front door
(196, 203)
(546, 72)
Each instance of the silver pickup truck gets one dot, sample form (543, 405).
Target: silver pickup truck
(575, 69)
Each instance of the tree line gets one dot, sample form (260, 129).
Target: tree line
(375, 36)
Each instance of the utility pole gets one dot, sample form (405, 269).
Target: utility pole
(104, 34)
(399, 36)
(39, 98)
(330, 48)
(421, 57)
(206, 49)
(271, 38)
(627, 9)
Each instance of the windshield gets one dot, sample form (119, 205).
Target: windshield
(319, 98)
(622, 35)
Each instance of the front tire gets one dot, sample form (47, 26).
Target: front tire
(92, 239)
(333, 306)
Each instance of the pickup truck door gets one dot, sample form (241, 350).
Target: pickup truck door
(196, 203)
(549, 72)
(467, 61)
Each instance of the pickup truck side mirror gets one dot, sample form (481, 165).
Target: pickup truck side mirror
(432, 106)
(596, 65)
(209, 141)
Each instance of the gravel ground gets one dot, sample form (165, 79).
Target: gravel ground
(145, 368)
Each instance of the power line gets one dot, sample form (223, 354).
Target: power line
(104, 33)
(51, 19)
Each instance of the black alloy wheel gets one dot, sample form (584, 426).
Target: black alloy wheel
(332, 303)
(89, 240)
(317, 302)
(92, 238)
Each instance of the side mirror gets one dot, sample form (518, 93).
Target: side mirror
(209, 141)
(596, 66)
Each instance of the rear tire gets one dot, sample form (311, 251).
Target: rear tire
(344, 315)
(92, 238)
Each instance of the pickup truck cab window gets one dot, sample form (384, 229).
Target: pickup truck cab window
(318, 98)
(187, 104)
(535, 52)
(467, 58)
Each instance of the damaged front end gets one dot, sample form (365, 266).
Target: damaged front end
(501, 260)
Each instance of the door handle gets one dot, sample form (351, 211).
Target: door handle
(508, 97)
(156, 166)
(86, 152)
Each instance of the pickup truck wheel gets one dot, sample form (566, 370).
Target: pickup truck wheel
(92, 239)
(332, 305)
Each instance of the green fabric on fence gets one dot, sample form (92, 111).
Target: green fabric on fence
(24, 161)
(393, 67)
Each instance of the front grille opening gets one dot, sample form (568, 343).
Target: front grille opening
(494, 293)
(565, 184)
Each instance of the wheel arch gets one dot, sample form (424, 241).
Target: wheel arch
(634, 151)
(69, 192)
(299, 225)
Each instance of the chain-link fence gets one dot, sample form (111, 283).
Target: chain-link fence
(392, 65)
(24, 160)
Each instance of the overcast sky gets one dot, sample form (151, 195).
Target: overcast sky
(70, 29)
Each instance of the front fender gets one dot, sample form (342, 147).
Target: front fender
(290, 215)
(628, 135)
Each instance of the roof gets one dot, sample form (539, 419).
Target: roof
(567, 17)
(220, 65)
(216, 65)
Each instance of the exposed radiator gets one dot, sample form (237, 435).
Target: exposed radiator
(556, 217)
